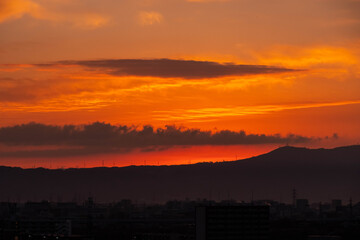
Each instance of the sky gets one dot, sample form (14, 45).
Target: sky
(87, 83)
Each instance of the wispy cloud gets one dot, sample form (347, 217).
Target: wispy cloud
(209, 114)
(149, 18)
(203, 1)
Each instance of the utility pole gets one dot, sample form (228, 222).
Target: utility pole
(294, 197)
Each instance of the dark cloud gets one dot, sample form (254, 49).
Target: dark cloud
(100, 137)
(170, 68)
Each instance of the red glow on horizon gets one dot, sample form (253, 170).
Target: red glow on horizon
(171, 156)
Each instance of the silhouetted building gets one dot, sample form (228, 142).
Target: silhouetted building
(323, 237)
(232, 222)
(302, 204)
(45, 227)
(335, 204)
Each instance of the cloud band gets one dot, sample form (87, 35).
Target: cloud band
(101, 137)
(172, 68)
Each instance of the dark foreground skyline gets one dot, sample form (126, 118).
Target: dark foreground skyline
(180, 220)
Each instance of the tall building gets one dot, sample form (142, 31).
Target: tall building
(232, 222)
(336, 203)
(302, 204)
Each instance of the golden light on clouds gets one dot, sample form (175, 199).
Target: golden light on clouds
(308, 56)
(212, 114)
(14, 9)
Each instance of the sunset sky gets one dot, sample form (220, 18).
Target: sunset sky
(114, 83)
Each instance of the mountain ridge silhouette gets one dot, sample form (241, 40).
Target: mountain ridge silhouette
(317, 174)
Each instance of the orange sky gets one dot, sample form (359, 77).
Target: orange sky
(49, 71)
